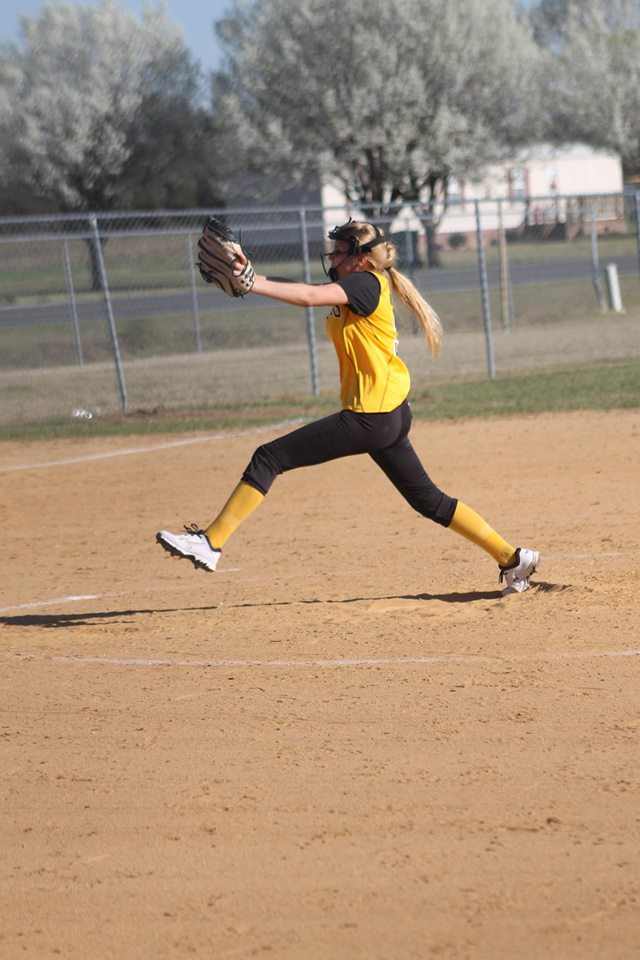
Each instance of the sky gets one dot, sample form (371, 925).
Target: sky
(196, 17)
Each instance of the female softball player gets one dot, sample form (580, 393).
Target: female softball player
(375, 417)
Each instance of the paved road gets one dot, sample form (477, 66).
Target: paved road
(129, 306)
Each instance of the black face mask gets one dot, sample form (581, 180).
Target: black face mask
(354, 247)
(329, 269)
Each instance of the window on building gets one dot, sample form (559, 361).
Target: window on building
(517, 183)
(456, 191)
(551, 177)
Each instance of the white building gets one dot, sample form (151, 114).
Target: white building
(543, 188)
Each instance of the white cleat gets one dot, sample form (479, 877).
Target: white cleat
(517, 575)
(192, 545)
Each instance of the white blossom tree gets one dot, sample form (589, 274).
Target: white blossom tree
(592, 87)
(390, 99)
(84, 94)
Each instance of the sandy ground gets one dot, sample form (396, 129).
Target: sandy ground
(345, 744)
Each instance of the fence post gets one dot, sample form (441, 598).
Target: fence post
(68, 279)
(506, 296)
(484, 290)
(411, 260)
(194, 293)
(93, 221)
(311, 331)
(637, 212)
(595, 260)
(614, 298)
(409, 251)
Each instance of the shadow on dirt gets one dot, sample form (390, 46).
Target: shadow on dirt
(87, 619)
(84, 619)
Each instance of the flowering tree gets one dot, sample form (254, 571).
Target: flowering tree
(389, 100)
(593, 81)
(93, 102)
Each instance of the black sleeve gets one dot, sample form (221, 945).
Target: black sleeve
(363, 290)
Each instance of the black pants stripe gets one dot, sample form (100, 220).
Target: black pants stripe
(384, 436)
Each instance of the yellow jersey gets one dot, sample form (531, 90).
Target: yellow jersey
(373, 378)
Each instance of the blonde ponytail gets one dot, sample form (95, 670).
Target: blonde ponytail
(424, 312)
(382, 256)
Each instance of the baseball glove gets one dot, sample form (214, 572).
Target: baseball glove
(219, 252)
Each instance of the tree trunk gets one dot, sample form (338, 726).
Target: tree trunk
(426, 210)
(433, 251)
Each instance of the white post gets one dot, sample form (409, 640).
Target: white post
(613, 288)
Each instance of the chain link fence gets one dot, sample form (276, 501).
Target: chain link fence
(107, 313)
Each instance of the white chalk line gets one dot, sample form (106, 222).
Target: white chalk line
(74, 598)
(153, 448)
(339, 661)
(144, 591)
(77, 597)
(592, 556)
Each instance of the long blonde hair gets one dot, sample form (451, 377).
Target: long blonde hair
(382, 257)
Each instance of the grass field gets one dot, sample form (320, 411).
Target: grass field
(233, 325)
(563, 352)
(161, 263)
(600, 387)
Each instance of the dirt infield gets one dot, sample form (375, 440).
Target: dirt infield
(345, 744)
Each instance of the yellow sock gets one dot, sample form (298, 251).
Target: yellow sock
(240, 504)
(470, 524)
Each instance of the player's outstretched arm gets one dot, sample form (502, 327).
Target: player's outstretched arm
(300, 294)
